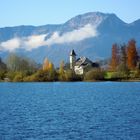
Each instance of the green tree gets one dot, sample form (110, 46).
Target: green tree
(3, 66)
(17, 63)
(62, 74)
(123, 61)
(3, 69)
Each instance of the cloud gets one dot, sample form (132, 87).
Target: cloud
(35, 41)
(11, 44)
(74, 36)
(27, 43)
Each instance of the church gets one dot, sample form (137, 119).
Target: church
(82, 64)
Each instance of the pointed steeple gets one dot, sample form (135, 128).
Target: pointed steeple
(72, 53)
(72, 59)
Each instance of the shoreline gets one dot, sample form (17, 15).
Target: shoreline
(88, 81)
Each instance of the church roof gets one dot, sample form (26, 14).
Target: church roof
(72, 53)
(82, 61)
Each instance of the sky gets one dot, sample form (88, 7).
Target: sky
(41, 12)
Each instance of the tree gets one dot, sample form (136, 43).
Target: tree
(2, 65)
(115, 57)
(52, 73)
(123, 72)
(46, 64)
(3, 69)
(62, 75)
(123, 60)
(132, 55)
(13, 62)
(18, 63)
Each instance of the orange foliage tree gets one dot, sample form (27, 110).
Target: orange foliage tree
(132, 55)
(115, 57)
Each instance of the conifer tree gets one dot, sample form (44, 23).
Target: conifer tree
(132, 56)
(115, 57)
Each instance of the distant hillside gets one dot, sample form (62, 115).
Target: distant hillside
(91, 35)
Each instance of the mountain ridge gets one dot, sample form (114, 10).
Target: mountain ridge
(93, 34)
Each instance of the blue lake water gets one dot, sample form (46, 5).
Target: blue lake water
(70, 111)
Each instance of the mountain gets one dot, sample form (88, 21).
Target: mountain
(91, 35)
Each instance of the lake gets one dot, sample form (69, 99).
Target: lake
(70, 111)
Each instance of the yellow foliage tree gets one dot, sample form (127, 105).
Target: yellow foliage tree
(46, 64)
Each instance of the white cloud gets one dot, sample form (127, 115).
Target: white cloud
(36, 41)
(11, 44)
(28, 43)
(73, 36)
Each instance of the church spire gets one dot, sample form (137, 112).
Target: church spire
(72, 59)
(72, 53)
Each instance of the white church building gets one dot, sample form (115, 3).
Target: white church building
(82, 64)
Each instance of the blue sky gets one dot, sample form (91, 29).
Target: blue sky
(40, 12)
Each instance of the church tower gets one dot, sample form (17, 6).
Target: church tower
(72, 59)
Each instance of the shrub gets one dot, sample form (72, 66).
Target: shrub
(119, 75)
(42, 76)
(18, 77)
(11, 75)
(95, 74)
(2, 75)
(71, 76)
(135, 74)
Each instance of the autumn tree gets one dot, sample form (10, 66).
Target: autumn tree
(115, 57)
(46, 64)
(49, 70)
(52, 72)
(132, 55)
